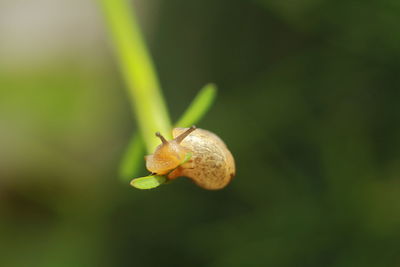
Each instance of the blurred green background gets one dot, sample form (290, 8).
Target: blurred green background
(308, 104)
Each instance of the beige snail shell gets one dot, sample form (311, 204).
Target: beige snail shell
(211, 165)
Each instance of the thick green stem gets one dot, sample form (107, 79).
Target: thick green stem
(138, 71)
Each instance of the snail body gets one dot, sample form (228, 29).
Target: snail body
(211, 165)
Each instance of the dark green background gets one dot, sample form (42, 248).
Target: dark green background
(308, 103)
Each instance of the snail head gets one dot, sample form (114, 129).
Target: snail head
(168, 155)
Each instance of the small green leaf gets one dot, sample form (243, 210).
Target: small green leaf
(199, 106)
(148, 182)
(133, 158)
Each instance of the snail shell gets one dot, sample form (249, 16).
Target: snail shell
(211, 165)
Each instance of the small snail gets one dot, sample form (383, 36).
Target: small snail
(211, 165)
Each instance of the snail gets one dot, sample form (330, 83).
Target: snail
(210, 166)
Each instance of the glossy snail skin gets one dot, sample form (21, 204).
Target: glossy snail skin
(211, 165)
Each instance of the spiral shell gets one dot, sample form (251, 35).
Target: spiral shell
(211, 166)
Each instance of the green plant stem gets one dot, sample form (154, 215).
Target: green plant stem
(138, 71)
